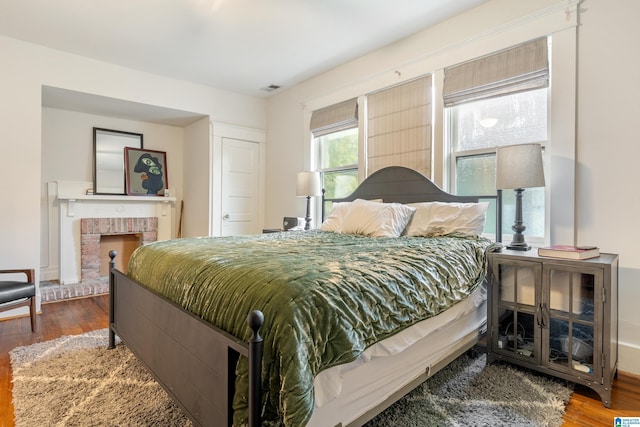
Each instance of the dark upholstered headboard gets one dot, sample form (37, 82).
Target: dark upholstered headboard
(398, 184)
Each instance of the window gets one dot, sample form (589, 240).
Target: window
(338, 162)
(498, 100)
(335, 132)
(476, 129)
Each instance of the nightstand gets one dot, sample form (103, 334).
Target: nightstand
(556, 316)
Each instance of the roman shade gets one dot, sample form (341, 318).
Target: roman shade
(516, 69)
(399, 126)
(335, 118)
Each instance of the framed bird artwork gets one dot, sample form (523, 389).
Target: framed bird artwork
(146, 172)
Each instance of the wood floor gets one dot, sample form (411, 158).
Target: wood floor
(74, 317)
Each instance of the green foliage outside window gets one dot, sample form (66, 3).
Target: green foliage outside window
(339, 149)
(339, 162)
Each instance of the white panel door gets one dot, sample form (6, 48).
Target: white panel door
(240, 187)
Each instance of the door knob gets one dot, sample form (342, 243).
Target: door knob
(226, 216)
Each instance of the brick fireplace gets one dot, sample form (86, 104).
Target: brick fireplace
(92, 230)
(86, 220)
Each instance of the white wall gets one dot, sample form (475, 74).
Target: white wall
(197, 160)
(67, 155)
(21, 152)
(608, 151)
(25, 69)
(605, 118)
(492, 26)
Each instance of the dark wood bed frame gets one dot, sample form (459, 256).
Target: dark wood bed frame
(195, 361)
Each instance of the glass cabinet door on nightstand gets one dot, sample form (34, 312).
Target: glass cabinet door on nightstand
(572, 301)
(515, 309)
(557, 316)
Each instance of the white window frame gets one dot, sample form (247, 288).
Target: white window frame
(559, 149)
(351, 167)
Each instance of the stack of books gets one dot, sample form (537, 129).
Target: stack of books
(570, 252)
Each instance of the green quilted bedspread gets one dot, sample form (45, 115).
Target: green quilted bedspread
(326, 297)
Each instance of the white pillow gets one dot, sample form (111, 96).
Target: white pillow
(334, 220)
(376, 219)
(338, 212)
(440, 218)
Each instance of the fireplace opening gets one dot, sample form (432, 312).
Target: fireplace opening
(123, 244)
(100, 235)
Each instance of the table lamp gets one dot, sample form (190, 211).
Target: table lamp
(308, 185)
(518, 167)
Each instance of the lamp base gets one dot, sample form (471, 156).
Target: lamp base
(307, 218)
(519, 247)
(518, 243)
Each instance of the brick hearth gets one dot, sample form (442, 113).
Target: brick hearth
(91, 229)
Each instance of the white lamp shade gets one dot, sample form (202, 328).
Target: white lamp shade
(308, 184)
(519, 166)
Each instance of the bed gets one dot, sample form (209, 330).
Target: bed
(347, 327)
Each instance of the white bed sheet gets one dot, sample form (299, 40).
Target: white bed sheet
(345, 392)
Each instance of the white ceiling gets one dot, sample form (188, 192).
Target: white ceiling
(236, 45)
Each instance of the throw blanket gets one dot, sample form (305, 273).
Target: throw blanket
(325, 297)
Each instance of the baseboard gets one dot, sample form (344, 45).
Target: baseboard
(15, 313)
(629, 359)
(48, 273)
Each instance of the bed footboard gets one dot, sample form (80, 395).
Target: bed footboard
(193, 360)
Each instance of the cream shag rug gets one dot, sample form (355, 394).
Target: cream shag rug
(76, 381)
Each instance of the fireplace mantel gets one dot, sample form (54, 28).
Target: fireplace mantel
(86, 198)
(118, 198)
(75, 204)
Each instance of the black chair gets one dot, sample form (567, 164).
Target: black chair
(19, 293)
